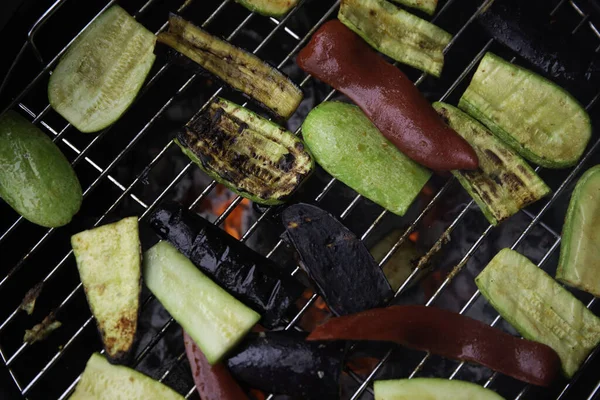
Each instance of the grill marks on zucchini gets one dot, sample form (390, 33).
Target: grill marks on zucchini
(252, 156)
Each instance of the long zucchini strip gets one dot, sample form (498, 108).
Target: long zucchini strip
(427, 6)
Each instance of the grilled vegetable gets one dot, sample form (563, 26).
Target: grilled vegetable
(270, 8)
(397, 33)
(239, 69)
(109, 264)
(214, 319)
(100, 75)
(28, 302)
(579, 265)
(340, 58)
(427, 6)
(463, 338)
(539, 308)
(102, 380)
(339, 263)
(251, 278)
(348, 146)
(284, 363)
(431, 389)
(36, 179)
(251, 156)
(504, 182)
(42, 330)
(538, 119)
(401, 264)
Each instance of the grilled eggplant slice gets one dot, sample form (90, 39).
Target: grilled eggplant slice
(102, 380)
(397, 33)
(253, 157)
(251, 278)
(109, 264)
(427, 6)
(270, 8)
(431, 389)
(504, 182)
(348, 278)
(539, 120)
(236, 67)
(284, 363)
(100, 75)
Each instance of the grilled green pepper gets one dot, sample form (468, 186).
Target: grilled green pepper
(270, 8)
(427, 6)
(431, 389)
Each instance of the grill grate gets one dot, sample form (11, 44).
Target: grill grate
(35, 371)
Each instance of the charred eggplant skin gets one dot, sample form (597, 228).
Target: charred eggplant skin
(348, 278)
(248, 276)
(284, 363)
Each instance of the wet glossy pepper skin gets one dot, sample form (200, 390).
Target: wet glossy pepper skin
(340, 58)
(449, 335)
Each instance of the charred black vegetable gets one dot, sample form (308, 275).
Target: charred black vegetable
(284, 363)
(340, 264)
(251, 278)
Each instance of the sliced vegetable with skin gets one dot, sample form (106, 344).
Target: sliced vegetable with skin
(348, 146)
(340, 58)
(347, 276)
(284, 363)
(540, 308)
(36, 179)
(504, 182)
(539, 120)
(449, 335)
(239, 69)
(109, 264)
(248, 276)
(579, 264)
(101, 73)
(253, 157)
(431, 389)
(103, 381)
(214, 319)
(397, 33)
(269, 8)
(427, 6)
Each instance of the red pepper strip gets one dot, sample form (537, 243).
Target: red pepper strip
(212, 382)
(449, 335)
(340, 58)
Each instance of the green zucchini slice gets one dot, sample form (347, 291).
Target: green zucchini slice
(538, 119)
(109, 264)
(431, 389)
(540, 308)
(397, 33)
(239, 69)
(348, 146)
(214, 319)
(103, 381)
(579, 264)
(250, 155)
(427, 6)
(504, 182)
(270, 8)
(101, 73)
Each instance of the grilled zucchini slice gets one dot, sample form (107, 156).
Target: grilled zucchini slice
(100, 75)
(109, 264)
(270, 8)
(431, 389)
(427, 6)
(253, 157)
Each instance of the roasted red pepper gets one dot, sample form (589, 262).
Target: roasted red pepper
(449, 335)
(340, 58)
(212, 382)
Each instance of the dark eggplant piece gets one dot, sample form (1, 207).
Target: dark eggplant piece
(284, 363)
(348, 278)
(248, 276)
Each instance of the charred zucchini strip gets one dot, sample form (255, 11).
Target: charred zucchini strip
(504, 182)
(253, 157)
(397, 33)
(270, 8)
(427, 6)
(236, 67)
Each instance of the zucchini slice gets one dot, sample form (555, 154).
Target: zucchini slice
(253, 157)
(109, 264)
(239, 69)
(538, 119)
(540, 308)
(214, 319)
(103, 381)
(579, 264)
(427, 6)
(431, 389)
(504, 182)
(269, 8)
(397, 33)
(100, 75)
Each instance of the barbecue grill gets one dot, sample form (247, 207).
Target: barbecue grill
(132, 166)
